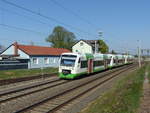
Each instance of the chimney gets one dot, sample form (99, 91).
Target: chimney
(16, 49)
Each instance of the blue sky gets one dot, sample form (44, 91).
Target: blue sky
(123, 22)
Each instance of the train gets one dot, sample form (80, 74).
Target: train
(73, 65)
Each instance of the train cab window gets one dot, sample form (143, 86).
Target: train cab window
(67, 62)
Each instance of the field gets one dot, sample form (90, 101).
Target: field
(7, 74)
(123, 98)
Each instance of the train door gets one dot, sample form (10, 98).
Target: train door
(116, 61)
(106, 63)
(90, 65)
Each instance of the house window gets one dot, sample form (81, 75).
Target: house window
(46, 60)
(52, 60)
(81, 43)
(35, 60)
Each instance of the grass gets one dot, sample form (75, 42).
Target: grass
(7, 74)
(123, 98)
(148, 70)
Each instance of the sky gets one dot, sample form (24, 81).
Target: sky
(122, 22)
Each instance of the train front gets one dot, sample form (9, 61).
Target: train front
(67, 65)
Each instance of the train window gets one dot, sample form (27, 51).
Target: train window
(115, 61)
(120, 61)
(98, 63)
(79, 60)
(84, 64)
(72, 56)
(108, 61)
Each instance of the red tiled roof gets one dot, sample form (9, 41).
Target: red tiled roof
(39, 50)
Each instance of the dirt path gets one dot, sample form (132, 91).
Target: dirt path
(145, 101)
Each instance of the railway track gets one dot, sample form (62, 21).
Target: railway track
(8, 95)
(59, 98)
(54, 103)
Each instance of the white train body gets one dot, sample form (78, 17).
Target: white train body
(73, 65)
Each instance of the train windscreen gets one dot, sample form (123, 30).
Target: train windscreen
(68, 60)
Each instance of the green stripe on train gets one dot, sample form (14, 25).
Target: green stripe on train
(70, 76)
(99, 69)
(89, 56)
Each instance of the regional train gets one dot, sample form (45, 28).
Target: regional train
(73, 65)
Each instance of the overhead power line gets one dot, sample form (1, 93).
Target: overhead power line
(22, 29)
(29, 18)
(75, 14)
(44, 16)
(22, 15)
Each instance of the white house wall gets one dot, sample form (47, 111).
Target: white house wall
(23, 55)
(53, 61)
(85, 48)
(9, 51)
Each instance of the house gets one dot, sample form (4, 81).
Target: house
(86, 46)
(34, 56)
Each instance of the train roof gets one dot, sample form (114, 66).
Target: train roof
(107, 56)
(99, 55)
(85, 55)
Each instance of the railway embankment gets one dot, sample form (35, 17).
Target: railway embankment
(61, 95)
(148, 70)
(124, 97)
(145, 99)
(18, 73)
(9, 78)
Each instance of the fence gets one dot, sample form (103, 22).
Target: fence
(12, 64)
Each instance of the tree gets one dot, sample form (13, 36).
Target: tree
(61, 38)
(113, 52)
(103, 46)
(32, 43)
